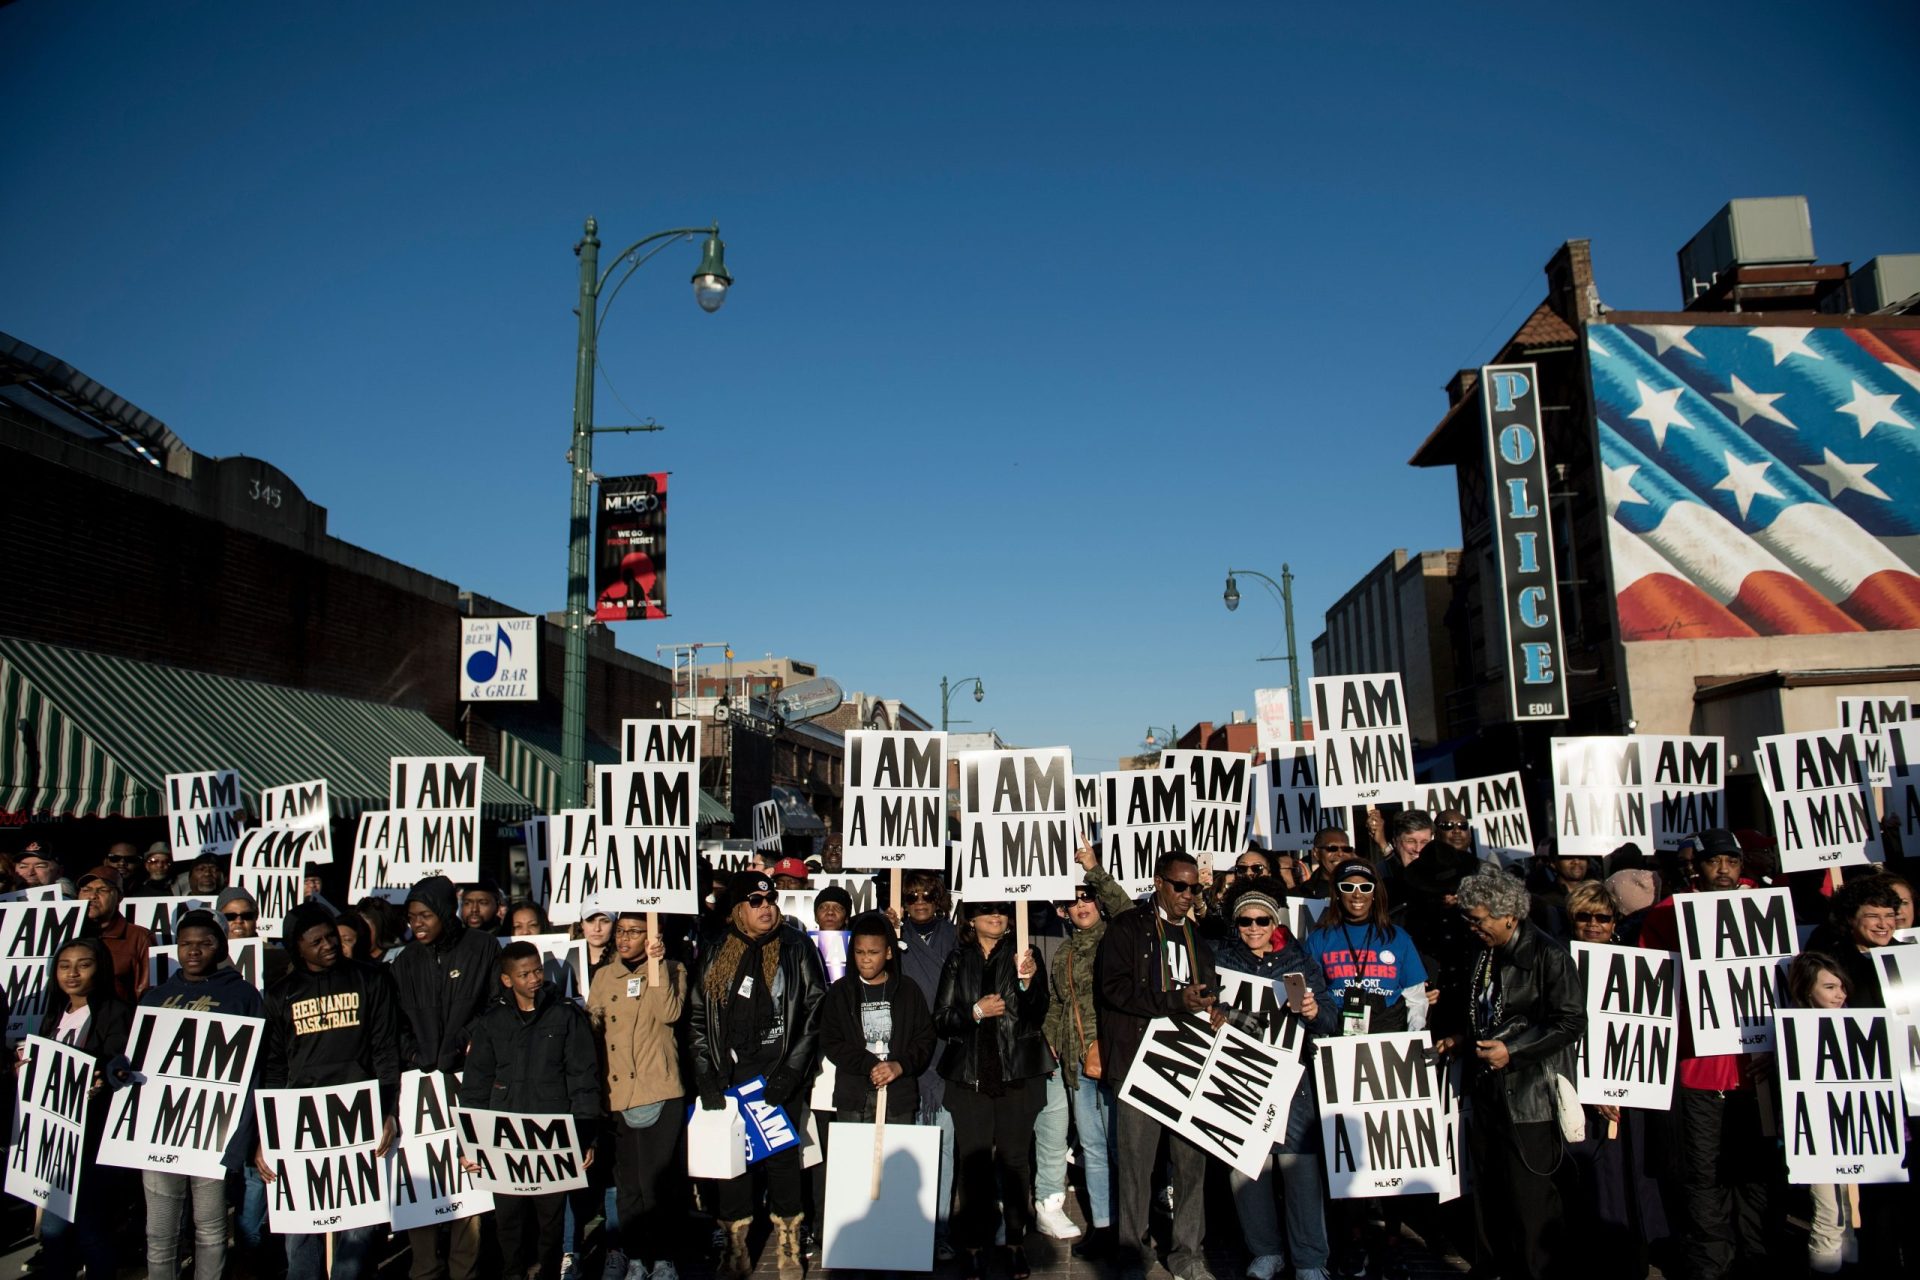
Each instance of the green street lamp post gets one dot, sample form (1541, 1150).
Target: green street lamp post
(710, 284)
(1283, 589)
(1163, 739)
(947, 691)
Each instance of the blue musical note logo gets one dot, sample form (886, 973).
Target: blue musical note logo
(482, 665)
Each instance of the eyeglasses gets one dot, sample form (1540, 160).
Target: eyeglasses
(1253, 922)
(1182, 888)
(247, 916)
(1333, 848)
(918, 895)
(1357, 886)
(1083, 894)
(1250, 868)
(1450, 826)
(157, 857)
(629, 933)
(1593, 917)
(758, 900)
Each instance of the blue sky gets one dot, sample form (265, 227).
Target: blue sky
(1045, 314)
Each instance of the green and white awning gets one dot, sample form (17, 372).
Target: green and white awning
(92, 735)
(530, 760)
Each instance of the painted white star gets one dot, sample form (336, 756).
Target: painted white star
(1593, 345)
(1840, 476)
(1668, 336)
(1660, 410)
(1618, 482)
(1748, 403)
(1871, 410)
(1746, 481)
(1786, 342)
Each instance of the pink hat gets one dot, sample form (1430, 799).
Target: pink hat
(1635, 890)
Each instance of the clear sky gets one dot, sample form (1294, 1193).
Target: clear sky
(1046, 313)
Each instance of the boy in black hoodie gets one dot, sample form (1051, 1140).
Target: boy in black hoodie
(533, 1053)
(330, 1021)
(446, 980)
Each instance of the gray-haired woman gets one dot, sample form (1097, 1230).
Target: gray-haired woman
(1519, 1027)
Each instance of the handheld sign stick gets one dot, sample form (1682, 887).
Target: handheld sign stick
(653, 966)
(1853, 1201)
(880, 1133)
(1613, 1130)
(893, 894)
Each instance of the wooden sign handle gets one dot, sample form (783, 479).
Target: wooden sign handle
(1613, 1130)
(894, 896)
(1022, 937)
(1839, 876)
(879, 1135)
(1853, 1204)
(653, 966)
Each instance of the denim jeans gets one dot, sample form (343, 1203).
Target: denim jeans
(1306, 1208)
(64, 1246)
(943, 1205)
(1093, 1119)
(167, 1196)
(248, 1193)
(352, 1255)
(1050, 1142)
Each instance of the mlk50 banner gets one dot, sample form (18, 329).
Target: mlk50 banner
(630, 567)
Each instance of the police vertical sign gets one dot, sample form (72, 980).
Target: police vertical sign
(1523, 541)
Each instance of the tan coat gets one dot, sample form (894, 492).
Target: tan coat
(637, 1043)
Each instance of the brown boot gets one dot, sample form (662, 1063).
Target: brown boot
(736, 1263)
(793, 1262)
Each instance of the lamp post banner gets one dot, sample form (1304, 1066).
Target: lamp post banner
(630, 565)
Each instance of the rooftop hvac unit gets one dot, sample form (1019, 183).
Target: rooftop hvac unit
(1770, 231)
(1887, 281)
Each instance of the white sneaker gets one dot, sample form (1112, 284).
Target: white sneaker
(568, 1268)
(617, 1268)
(1053, 1219)
(662, 1270)
(1266, 1266)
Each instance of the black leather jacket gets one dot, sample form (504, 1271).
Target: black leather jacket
(800, 987)
(1543, 1014)
(1021, 1032)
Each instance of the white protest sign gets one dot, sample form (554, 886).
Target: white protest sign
(1627, 1054)
(191, 1074)
(301, 807)
(1840, 1096)
(896, 801)
(1362, 746)
(1086, 804)
(270, 864)
(204, 812)
(1225, 1091)
(1217, 789)
(536, 834)
(1823, 810)
(1383, 1116)
(895, 1231)
(1654, 790)
(158, 915)
(427, 1182)
(1017, 841)
(797, 904)
(432, 827)
(1734, 949)
(729, 855)
(1266, 999)
(1686, 792)
(36, 893)
(319, 1144)
(766, 826)
(45, 1156)
(563, 959)
(1143, 814)
(242, 953)
(1903, 782)
(647, 810)
(573, 864)
(30, 932)
(1286, 800)
(1272, 719)
(520, 1154)
(1874, 718)
(1495, 806)
(500, 660)
(1900, 986)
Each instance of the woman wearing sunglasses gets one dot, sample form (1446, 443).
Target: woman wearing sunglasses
(1262, 947)
(1374, 974)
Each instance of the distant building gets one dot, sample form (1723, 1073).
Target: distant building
(1399, 617)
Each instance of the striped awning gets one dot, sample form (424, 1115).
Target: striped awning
(530, 761)
(92, 735)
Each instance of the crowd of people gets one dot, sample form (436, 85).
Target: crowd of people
(1016, 1056)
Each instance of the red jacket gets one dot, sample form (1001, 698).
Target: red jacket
(1721, 1071)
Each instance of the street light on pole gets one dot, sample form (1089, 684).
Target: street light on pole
(710, 285)
(946, 694)
(1162, 738)
(1283, 590)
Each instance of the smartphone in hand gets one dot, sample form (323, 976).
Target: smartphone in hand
(1296, 990)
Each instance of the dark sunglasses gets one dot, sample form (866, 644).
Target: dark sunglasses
(241, 915)
(918, 895)
(1450, 826)
(1181, 888)
(1593, 917)
(124, 860)
(1083, 894)
(1333, 848)
(1254, 922)
(1356, 886)
(1250, 868)
(761, 900)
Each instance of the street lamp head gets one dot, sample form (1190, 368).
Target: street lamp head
(1150, 739)
(979, 691)
(710, 278)
(1232, 594)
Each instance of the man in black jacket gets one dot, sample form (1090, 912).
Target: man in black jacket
(532, 1053)
(1153, 964)
(447, 978)
(330, 1021)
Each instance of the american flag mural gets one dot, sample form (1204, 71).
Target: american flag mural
(1760, 480)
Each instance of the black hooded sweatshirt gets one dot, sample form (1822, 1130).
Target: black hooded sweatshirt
(333, 1026)
(445, 984)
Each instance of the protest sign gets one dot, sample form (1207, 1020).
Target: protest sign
(896, 801)
(36, 893)
(563, 958)
(204, 812)
(30, 932)
(1840, 1096)
(1225, 1091)
(646, 811)
(1286, 800)
(1362, 748)
(432, 827)
(1900, 986)
(1496, 808)
(1686, 792)
(832, 946)
(1266, 999)
(1734, 949)
(1823, 810)
(521, 1154)
(1086, 804)
(319, 1146)
(243, 953)
(574, 861)
(270, 863)
(301, 807)
(48, 1144)
(1383, 1118)
(536, 835)
(427, 1183)
(1874, 720)
(797, 904)
(893, 1232)
(191, 1072)
(1655, 790)
(1903, 781)
(1217, 789)
(1143, 814)
(1627, 1054)
(500, 660)
(158, 915)
(766, 826)
(1272, 719)
(769, 1130)
(1017, 840)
